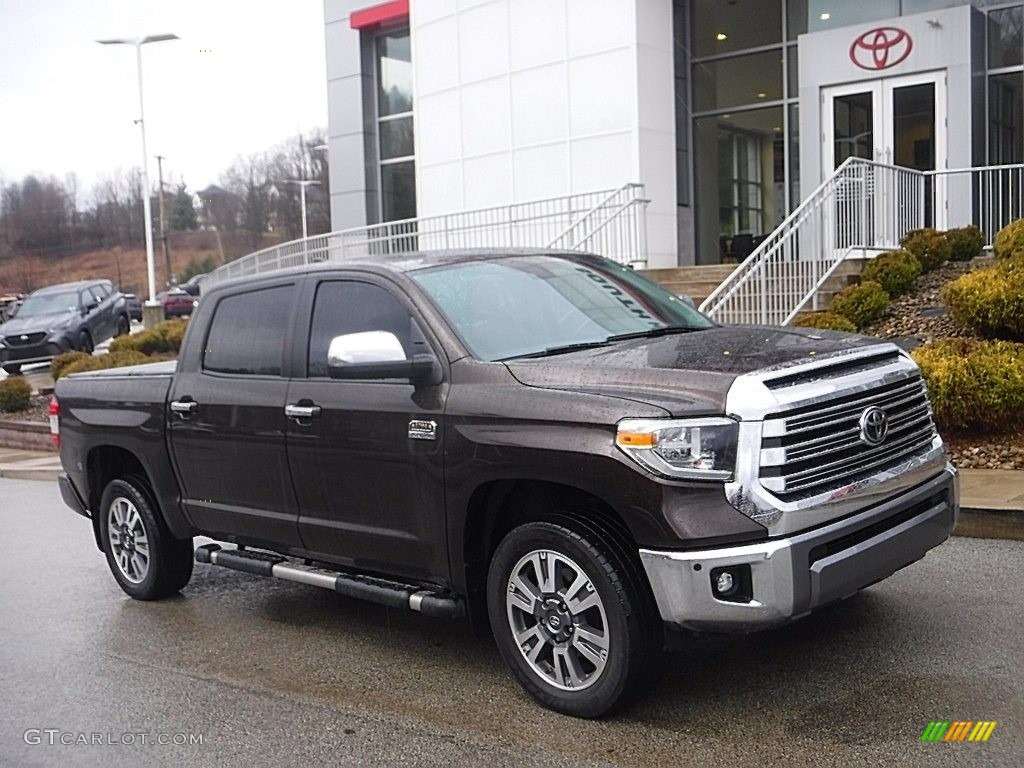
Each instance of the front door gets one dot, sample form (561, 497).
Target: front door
(368, 466)
(899, 122)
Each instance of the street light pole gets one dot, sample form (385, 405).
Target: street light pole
(138, 42)
(163, 220)
(303, 183)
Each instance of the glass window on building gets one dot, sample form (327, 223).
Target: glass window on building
(395, 127)
(831, 14)
(740, 163)
(724, 27)
(1005, 106)
(1004, 38)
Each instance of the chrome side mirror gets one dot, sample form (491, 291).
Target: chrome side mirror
(375, 355)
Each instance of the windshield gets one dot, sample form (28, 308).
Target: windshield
(49, 304)
(529, 305)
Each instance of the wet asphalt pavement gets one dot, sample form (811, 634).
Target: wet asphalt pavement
(272, 673)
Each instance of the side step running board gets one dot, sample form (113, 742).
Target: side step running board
(390, 593)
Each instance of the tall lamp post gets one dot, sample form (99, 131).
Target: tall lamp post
(303, 183)
(151, 315)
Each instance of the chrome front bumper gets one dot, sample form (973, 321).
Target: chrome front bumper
(792, 576)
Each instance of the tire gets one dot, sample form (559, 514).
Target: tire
(13, 369)
(124, 327)
(85, 342)
(581, 656)
(129, 519)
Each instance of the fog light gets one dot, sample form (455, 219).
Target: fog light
(734, 583)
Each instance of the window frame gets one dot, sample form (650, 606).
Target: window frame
(378, 119)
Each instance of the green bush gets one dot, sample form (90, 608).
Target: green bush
(110, 360)
(861, 304)
(163, 338)
(827, 321)
(60, 362)
(931, 248)
(974, 384)
(15, 394)
(965, 243)
(895, 271)
(1009, 242)
(989, 301)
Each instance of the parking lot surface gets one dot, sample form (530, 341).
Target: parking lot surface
(272, 673)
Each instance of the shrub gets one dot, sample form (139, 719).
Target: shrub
(861, 304)
(1009, 241)
(931, 247)
(895, 271)
(974, 384)
(965, 243)
(162, 338)
(989, 301)
(827, 321)
(15, 394)
(60, 362)
(102, 362)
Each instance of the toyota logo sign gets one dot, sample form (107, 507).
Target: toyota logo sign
(881, 48)
(874, 425)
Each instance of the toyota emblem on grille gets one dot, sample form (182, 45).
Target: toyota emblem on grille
(881, 48)
(874, 425)
(24, 337)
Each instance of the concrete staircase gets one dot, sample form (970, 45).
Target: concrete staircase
(699, 282)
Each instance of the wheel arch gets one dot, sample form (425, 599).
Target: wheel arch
(497, 506)
(110, 462)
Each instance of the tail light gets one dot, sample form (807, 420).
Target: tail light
(55, 422)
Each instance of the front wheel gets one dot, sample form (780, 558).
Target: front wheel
(85, 342)
(568, 619)
(146, 560)
(13, 369)
(123, 326)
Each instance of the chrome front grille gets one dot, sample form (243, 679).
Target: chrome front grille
(810, 450)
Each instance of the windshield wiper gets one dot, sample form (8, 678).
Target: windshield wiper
(559, 350)
(651, 333)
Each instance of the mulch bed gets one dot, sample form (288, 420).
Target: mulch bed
(987, 451)
(904, 317)
(38, 410)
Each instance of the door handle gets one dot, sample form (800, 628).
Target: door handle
(301, 411)
(184, 407)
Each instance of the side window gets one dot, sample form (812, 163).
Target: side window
(248, 330)
(85, 298)
(98, 295)
(102, 291)
(351, 307)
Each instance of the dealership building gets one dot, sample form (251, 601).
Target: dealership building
(729, 113)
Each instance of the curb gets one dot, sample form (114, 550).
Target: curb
(29, 473)
(987, 523)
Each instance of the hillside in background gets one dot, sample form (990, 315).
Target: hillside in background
(126, 267)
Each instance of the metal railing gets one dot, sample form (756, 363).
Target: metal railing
(610, 222)
(864, 208)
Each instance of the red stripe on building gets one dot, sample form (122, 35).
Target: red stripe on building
(376, 15)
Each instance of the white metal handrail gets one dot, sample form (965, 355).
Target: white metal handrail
(610, 222)
(864, 208)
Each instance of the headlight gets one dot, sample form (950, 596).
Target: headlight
(697, 449)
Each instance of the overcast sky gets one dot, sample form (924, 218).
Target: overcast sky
(67, 103)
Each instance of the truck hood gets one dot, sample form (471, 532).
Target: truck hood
(686, 374)
(37, 324)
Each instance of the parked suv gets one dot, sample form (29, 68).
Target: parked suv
(61, 318)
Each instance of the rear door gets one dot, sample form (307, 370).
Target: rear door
(103, 320)
(227, 423)
(368, 468)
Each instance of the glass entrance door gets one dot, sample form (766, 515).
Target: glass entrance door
(897, 121)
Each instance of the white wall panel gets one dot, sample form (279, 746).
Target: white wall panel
(486, 119)
(539, 105)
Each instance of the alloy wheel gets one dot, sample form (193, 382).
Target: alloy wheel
(558, 620)
(129, 542)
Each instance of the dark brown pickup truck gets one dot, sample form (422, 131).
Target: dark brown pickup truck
(544, 443)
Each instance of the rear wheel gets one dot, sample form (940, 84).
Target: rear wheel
(13, 368)
(569, 619)
(146, 560)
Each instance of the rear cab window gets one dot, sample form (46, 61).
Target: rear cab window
(248, 330)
